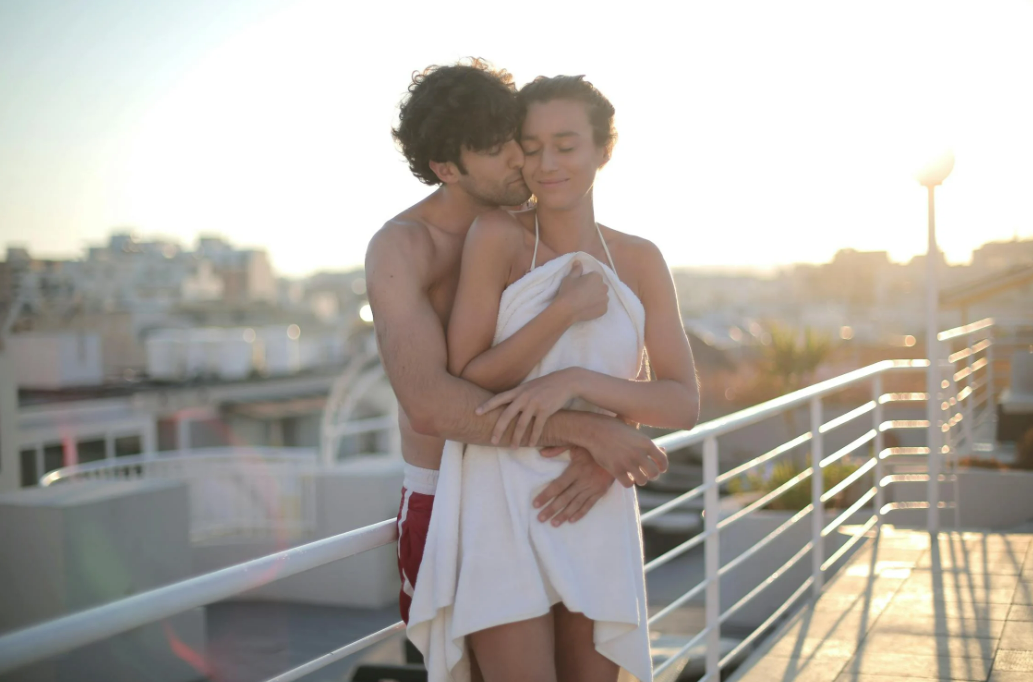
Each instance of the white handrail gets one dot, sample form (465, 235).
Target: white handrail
(37, 642)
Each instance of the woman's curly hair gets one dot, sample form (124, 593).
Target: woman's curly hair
(468, 105)
(600, 110)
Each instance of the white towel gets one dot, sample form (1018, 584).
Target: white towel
(488, 560)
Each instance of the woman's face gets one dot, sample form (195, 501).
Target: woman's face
(560, 155)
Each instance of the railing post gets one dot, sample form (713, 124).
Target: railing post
(967, 425)
(880, 493)
(933, 412)
(817, 489)
(712, 551)
(989, 402)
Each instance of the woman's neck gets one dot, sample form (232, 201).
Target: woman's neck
(566, 231)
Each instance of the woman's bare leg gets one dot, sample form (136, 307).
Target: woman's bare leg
(516, 652)
(576, 657)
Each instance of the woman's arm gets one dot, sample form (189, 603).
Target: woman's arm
(672, 400)
(485, 272)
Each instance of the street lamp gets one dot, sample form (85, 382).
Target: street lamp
(933, 174)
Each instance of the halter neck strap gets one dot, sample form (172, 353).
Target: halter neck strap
(537, 238)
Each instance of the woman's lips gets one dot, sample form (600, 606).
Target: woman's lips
(550, 183)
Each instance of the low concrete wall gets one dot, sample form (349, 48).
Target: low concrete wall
(71, 547)
(987, 500)
(349, 496)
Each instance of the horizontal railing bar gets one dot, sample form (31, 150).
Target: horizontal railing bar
(966, 352)
(849, 543)
(850, 480)
(965, 393)
(971, 369)
(780, 450)
(904, 452)
(982, 345)
(770, 537)
(767, 582)
(681, 652)
(676, 502)
(848, 448)
(337, 654)
(967, 329)
(848, 512)
(667, 610)
(748, 640)
(897, 506)
(902, 397)
(757, 504)
(849, 416)
(904, 424)
(913, 478)
(37, 642)
(757, 413)
(676, 552)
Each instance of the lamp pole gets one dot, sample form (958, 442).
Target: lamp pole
(931, 176)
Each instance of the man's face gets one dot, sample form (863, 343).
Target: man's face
(493, 176)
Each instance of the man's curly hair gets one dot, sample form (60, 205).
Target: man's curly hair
(469, 104)
(600, 110)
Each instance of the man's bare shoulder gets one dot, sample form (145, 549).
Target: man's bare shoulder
(405, 234)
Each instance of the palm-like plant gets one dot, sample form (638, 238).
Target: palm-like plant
(791, 359)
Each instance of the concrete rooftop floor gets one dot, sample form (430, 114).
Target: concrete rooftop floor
(905, 608)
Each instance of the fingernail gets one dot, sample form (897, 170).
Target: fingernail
(537, 504)
(479, 411)
(494, 440)
(541, 517)
(556, 523)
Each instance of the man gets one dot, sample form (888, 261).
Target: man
(457, 130)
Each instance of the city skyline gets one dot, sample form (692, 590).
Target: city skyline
(760, 144)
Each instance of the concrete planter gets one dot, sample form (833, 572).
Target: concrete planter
(987, 500)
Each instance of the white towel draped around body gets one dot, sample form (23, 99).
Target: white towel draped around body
(488, 560)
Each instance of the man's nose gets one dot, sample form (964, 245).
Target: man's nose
(516, 155)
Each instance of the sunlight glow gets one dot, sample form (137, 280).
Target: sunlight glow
(758, 137)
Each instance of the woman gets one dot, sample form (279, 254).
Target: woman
(542, 319)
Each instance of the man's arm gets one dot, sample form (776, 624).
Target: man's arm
(411, 339)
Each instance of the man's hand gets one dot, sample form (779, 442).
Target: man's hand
(629, 456)
(578, 488)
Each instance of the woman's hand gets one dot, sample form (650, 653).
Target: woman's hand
(582, 297)
(538, 399)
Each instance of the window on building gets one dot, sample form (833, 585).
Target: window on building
(30, 476)
(127, 446)
(91, 451)
(53, 457)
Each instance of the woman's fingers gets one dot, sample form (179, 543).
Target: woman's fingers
(521, 426)
(539, 425)
(497, 401)
(504, 420)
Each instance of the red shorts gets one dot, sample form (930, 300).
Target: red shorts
(413, 524)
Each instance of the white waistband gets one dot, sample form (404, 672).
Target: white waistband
(419, 480)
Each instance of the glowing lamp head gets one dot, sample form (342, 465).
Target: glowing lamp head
(937, 170)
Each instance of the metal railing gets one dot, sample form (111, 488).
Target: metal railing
(54, 637)
(238, 491)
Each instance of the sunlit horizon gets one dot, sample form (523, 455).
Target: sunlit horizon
(747, 139)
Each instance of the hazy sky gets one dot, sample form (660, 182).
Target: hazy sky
(751, 134)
